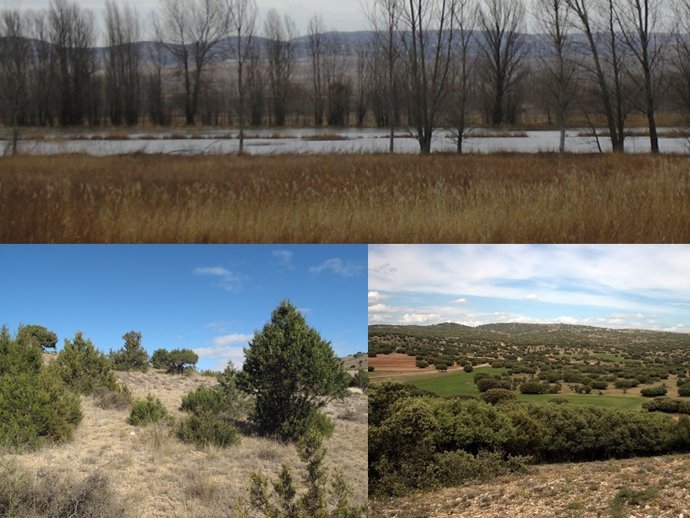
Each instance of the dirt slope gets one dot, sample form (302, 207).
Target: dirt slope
(560, 491)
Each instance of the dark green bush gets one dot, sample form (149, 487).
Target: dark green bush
(205, 399)
(599, 385)
(132, 356)
(533, 387)
(292, 372)
(82, 367)
(205, 429)
(468, 367)
(484, 384)
(421, 364)
(667, 405)
(35, 404)
(495, 396)
(409, 436)
(148, 411)
(454, 468)
(684, 390)
(654, 391)
(371, 368)
(35, 408)
(360, 380)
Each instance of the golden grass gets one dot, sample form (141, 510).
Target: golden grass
(346, 199)
(158, 476)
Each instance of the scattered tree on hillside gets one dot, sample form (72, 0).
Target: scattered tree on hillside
(39, 335)
(83, 367)
(176, 361)
(132, 356)
(292, 372)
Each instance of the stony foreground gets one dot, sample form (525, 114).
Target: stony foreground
(648, 487)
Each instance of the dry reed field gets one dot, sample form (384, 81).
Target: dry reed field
(346, 198)
(154, 475)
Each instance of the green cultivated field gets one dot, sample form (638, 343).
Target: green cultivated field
(462, 383)
(610, 401)
(451, 384)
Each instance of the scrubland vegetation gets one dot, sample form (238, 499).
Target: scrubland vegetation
(152, 443)
(535, 394)
(343, 199)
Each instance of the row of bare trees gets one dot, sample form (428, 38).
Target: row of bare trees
(430, 64)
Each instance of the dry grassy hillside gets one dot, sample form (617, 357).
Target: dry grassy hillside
(646, 487)
(157, 476)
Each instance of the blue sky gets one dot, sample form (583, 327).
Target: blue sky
(208, 298)
(617, 286)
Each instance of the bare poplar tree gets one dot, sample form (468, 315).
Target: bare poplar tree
(256, 88)
(606, 66)
(384, 18)
(334, 78)
(280, 52)
(502, 47)
(316, 32)
(191, 30)
(41, 68)
(681, 62)
(123, 83)
(14, 59)
(553, 18)
(428, 41)
(639, 22)
(72, 38)
(243, 26)
(463, 71)
(362, 82)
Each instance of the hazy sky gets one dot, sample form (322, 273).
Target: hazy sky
(344, 15)
(644, 287)
(208, 298)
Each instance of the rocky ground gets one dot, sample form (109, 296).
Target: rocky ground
(647, 487)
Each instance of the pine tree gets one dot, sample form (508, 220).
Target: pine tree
(293, 372)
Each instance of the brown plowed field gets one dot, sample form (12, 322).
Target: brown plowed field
(397, 362)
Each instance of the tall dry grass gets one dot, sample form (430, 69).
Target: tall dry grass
(345, 198)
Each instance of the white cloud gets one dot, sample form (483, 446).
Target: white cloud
(531, 296)
(459, 301)
(375, 296)
(631, 278)
(226, 279)
(566, 320)
(218, 271)
(339, 267)
(225, 340)
(225, 348)
(420, 318)
(381, 308)
(284, 258)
